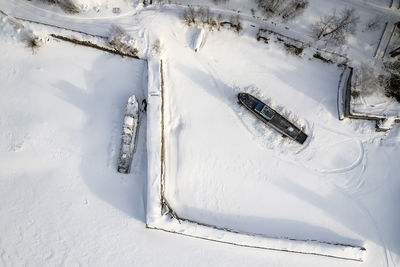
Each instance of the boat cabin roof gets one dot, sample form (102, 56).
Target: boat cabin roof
(264, 110)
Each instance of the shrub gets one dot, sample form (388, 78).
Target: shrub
(33, 42)
(293, 9)
(355, 94)
(320, 57)
(121, 41)
(205, 17)
(217, 2)
(68, 6)
(50, 2)
(373, 24)
(189, 16)
(393, 87)
(158, 47)
(286, 9)
(218, 21)
(292, 49)
(236, 23)
(270, 6)
(391, 81)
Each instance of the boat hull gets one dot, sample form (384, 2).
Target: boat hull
(129, 135)
(272, 118)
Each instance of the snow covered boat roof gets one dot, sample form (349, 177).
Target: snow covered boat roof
(132, 107)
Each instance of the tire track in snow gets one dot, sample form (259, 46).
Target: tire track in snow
(352, 165)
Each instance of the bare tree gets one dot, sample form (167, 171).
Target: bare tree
(205, 18)
(205, 15)
(219, 21)
(201, 14)
(32, 41)
(293, 9)
(323, 25)
(373, 24)
(366, 81)
(68, 6)
(391, 80)
(334, 28)
(270, 6)
(189, 16)
(158, 47)
(50, 2)
(121, 41)
(220, 1)
(286, 9)
(236, 23)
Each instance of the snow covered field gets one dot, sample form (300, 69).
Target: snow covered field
(61, 111)
(61, 116)
(243, 176)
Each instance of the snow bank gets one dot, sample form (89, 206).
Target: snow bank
(312, 247)
(153, 211)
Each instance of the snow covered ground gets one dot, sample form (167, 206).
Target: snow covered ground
(243, 176)
(61, 111)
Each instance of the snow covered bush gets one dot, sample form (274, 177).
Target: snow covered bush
(32, 41)
(220, 1)
(189, 16)
(235, 23)
(293, 50)
(318, 55)
(391, 81)
(205, 18)
(121, 41)
(68, 6)
(384, 77)
(270, 6)
(286, 9)
(293, 9)
(334, 28)
(218, 21)
(202, 16)
(373, 24)
(367, 81)
(158, 47)
(50, 2)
